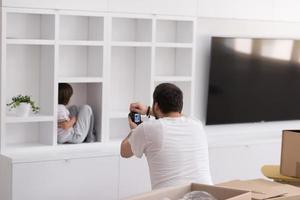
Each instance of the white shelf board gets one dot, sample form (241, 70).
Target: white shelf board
(116, 140)
(172, 78)
(35, 152)
(30, 41)
(118, 114)
(131, 44)
(174, 45)
(33, 118)
(26, 146)
(81, 43)
(80, 80)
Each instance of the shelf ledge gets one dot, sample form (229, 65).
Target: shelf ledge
(81, 43)
(174, 45)
(33, 118)
(173, 78)
(80, 80)
(30, 41)
(35, 152)
(131, 44)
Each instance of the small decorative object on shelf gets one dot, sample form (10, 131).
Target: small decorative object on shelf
(22, 105)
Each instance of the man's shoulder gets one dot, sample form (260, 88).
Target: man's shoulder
(159, 123)
(195, 121)
(152, 123)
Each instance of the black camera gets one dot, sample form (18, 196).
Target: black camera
(135, 117)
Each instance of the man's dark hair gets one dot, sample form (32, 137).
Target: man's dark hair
(65, 91)
(168, 97)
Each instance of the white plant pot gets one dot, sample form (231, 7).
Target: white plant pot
(23, 110)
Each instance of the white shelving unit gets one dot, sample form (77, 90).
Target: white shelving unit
(110, 60)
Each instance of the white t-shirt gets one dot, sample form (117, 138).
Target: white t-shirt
(63, 115)
(176, 151)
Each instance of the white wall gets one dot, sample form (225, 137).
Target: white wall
(239, 151)
(283, 10)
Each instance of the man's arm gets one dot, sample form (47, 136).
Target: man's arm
(126, 151)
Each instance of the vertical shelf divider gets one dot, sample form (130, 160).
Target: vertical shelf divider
(3, 81)
(106, 77)
(153, 57)
(56, 66)
(193, 71)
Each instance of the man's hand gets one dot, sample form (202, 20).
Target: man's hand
(132, 125)
(139, 108)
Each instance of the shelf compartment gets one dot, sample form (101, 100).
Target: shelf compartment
(130, 77)
(30, 71)
(80, 61)
(32, 118)
(81, 28)
(186, 89)
(173, 62)
(30, 26)
(131, 30)
(174, 31)
(89, 94)
(38, 133)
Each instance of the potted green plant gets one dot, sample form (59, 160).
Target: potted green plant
(22, 105)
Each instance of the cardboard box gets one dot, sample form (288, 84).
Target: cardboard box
(263, 189)
(175, 193)
(290, 153)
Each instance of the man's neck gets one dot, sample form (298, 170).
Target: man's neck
(173, 114)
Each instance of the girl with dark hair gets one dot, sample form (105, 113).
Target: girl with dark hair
(75, 124)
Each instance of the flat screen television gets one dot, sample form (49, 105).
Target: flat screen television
(253, 80)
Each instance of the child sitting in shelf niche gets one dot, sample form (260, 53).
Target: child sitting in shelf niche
(75, 124)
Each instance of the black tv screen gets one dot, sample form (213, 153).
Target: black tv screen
(253, 80)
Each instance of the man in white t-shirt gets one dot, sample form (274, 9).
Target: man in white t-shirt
(175, 146)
